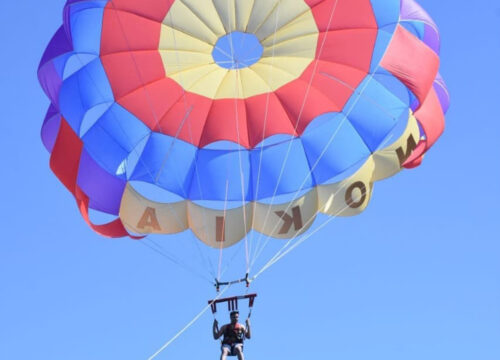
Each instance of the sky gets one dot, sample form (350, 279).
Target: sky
(417, 275)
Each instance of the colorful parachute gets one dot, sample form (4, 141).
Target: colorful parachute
(225, 116)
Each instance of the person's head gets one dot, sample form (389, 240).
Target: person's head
(234, 315)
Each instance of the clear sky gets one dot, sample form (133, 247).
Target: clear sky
(366, 287)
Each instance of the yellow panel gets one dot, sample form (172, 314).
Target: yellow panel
(252, 82)
(209, 84)
(173, 39)
(206, 13)
(190, 77)
(230, 87)
(142, 216)
(286, 220)
(227, 13)
(243, 12)
(219, 228)
(350, 196)
(189, 35)
(285, 12)
(191, 60)
(302, 25)
(389, 160)
(275, 73)
(182, 18)
(299, 47)
(260, 12)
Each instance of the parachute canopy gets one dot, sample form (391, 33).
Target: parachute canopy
(226, 116)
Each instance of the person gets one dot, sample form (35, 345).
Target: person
(234, 334)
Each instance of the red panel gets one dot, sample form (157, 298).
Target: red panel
(186, 118)
(162, 105)
(266, 117)
(150, 103)
(337, 82)
(65, 157)
(431, 118)
(416, 157)
(353, 47)
(343, 14)
(114, 229)
(412, 62)
(312, 3)
(125, 31)
(128, 71)
(152, 9)
(304, 102)
(227, 120)
(64, 162)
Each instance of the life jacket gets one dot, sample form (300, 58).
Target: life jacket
(233, 334)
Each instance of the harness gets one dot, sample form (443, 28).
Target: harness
(233, 334)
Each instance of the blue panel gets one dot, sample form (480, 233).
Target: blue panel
(166, 162)
(113, 137)
(104, 149)
(216, 169)
(60, 63)
(92, 116)
(237, 50)
(76, 62)
(383, 39)
(125, 128)
(72, 106)
(84, 90)
(373, 111)
(386, 11)
(387, 15)
(398, 130)
(86, 25)
(332, 145)
(417, 28)
(394, 86)
(290, 159)
(94, 84)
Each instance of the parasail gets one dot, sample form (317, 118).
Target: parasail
(222, 117)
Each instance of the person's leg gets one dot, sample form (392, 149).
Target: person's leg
(224, 353)
(238, 349)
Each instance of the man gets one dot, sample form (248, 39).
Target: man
(234, 334)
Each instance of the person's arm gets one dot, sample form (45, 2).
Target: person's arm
(215, 330)
(248, 333)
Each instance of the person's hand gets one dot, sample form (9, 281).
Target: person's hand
(247, 322)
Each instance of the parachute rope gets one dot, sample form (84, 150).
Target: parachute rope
(228, 264)
(188, 110)
(236, 113)
(361, 94)
(93, 123)
(223, 232)
(162, 252)
(254, 248)
(277, 255)
(304, 100)
(282, 252)
(332, 138)
(266, 114)
(188, 325)
(122, 130)
(205, 220)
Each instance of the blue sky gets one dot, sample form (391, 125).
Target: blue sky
(362, 288)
